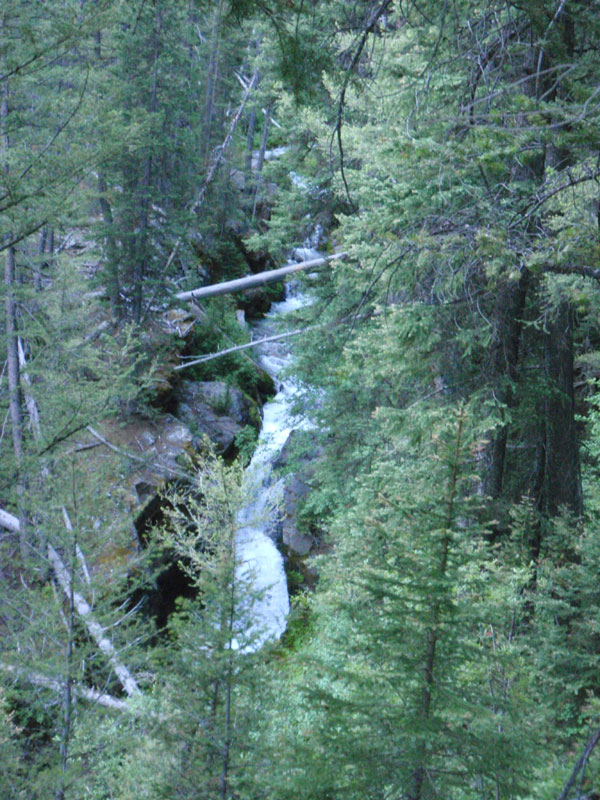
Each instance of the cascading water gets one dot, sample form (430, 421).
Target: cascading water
(259, 562)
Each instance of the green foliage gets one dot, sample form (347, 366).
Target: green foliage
(219, 330)
(207, 695)
(411, 658)
(245, 442)
(451, 646)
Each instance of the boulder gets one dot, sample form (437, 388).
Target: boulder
(298, 460)
(217, 410)
(295, 490)
(155, 452)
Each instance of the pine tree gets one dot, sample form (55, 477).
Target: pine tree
(415, 688)
(200, 719)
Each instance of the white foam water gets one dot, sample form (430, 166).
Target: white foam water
(259, 562)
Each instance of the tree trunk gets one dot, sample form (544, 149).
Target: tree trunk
(562, 467)
(141, 250)
(37, 275)
(259, 279)
(509, 312)
(94, 628)
(227, 739)
(51, 247)
(68, 678)
(212, 77)
(250, 140)
(114, 287)
(12, 356)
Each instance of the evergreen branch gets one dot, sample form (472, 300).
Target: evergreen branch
(14, 240)
(572, 269)
(337, 131)
(535, 205)
(218, 155)
(59, 129)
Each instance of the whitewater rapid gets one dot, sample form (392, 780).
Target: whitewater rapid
(259, 563)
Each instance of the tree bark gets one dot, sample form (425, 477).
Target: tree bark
(562, 468)
(509, 312)
(32, 409)
(212, 74)
(85, 692)
(37, 275)
(261, 156)
(9, 521)
(12, 356)
(250, 141)
(114, 286)
(141, 250)
(67, 692)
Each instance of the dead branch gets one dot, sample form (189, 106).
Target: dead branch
(255, 343)
(218, 155)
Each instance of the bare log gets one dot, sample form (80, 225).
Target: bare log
(255, 343)
(84, 610)
(82, 607)
(85, 692)
(96, 630)
(260, 279)
(9, 521)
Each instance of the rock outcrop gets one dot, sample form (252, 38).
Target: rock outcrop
(217, 410)
(297, 541)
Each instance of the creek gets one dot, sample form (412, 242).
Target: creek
(259, 562)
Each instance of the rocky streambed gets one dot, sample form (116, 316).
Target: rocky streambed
(148, 452)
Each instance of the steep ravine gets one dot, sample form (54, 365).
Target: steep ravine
(220, 411)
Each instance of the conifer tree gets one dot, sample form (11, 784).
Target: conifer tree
(413, 690)
(198, 724)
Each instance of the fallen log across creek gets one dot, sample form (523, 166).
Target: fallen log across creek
(246, 346)
(259, 279)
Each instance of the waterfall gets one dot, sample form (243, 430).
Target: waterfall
(259, 562)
